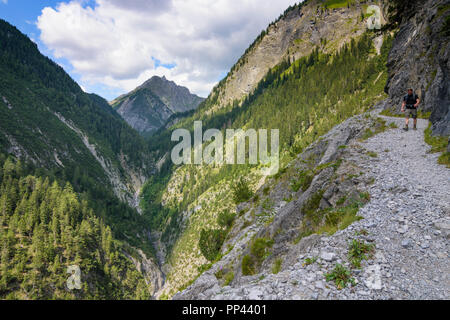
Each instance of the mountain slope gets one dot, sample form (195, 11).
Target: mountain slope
(301, 29)
(46, 117)
(148, 107)
(49, 124)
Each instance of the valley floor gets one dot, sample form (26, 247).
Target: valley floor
(407, 219)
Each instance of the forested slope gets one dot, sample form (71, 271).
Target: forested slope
(44, 228)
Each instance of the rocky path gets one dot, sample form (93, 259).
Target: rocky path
(407, 219)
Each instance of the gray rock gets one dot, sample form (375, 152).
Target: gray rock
(255, 294)
(373, 277)
(328, 256)
(407, 243)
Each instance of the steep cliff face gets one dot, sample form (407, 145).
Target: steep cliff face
(304, 27)
(420, 59)
(148, 107)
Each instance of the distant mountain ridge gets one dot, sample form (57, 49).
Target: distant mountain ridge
(149, 106)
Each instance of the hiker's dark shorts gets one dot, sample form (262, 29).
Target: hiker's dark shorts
(411, 113)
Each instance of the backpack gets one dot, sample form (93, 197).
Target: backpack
(414, 98)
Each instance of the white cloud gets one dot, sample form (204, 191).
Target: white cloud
(113, 42)
(4, 1)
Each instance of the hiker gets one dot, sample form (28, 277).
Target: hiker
(410, 104)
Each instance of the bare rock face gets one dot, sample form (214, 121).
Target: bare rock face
(420, 59)
(149, 106)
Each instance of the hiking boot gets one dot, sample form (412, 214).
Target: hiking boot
(406, 128)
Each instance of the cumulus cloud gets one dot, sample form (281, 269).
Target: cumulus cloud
(121, 44)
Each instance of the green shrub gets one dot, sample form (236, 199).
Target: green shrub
(242, 191)
(311, 207)
(211, 242)
(444, 159)
(309, 261)
(204, 267)
(226, 219)
(248, 266)
(260, 248)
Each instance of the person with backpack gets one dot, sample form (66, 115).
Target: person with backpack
(410, 104)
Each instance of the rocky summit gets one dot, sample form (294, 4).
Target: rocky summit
(149, 107)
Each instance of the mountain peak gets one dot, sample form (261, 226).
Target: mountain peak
(149, 106)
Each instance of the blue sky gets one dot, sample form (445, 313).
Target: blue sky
(112, 46)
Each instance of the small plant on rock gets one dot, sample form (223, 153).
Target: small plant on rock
(358, 251)
(228, 278)
(309, 261)
(341, 276)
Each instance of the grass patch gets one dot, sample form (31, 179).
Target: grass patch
(228, 278)
(276, 268)
(302, 181)
(362, 232)
(372, 154)
(438, 144)
(393, 125)
(248, 266)
(302, 235)
(337, 4)
(442, 10)
(310, 208)
(444, 159)
(259, 251)
(331, 220)
(339, 219)
(341, 277)
(379, 128)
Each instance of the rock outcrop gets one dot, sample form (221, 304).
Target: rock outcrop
(420, 59)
